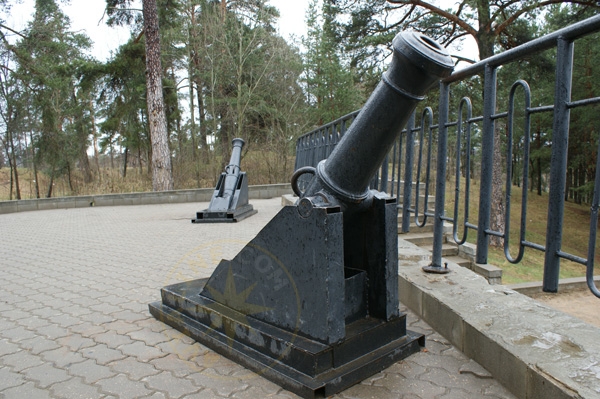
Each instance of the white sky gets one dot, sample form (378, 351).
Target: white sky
(86, 15)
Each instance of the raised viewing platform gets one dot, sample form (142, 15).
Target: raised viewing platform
(75, 321)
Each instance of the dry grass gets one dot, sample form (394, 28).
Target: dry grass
(575, 238)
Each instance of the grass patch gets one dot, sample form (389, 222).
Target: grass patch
(576, 224)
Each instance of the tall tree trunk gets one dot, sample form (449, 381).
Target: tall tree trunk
(14, 165)
(50, 184)
(485, 43)
(95, 141)
(35, 171)
(125, 162)
(162, 172)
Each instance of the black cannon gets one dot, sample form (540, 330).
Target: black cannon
(229, 202)
(311, 302)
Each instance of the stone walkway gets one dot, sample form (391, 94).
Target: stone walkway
(74, 320)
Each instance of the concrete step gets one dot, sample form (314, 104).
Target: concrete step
(458, 260)
(428, 228)
(449, 250)
(421, 239)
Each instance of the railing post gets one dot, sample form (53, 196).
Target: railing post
(487, 162)
(558, 163)
(440, 183)
(408, 174)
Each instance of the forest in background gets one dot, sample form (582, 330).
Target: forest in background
(70, 124)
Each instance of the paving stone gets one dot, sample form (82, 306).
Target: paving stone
(148, 336)
(178, 336)
(454, 380)
(38, 345)
(76, 342)
(129, 316)
(21, 360)
(46, 375)
(255, 380)
(90, 371)
(14, 314)
(360, 391)
(112, 339)
(428, 359)
(87, 329)
(7, 347)
(45, 312)
(75, 388)
(17, 334)
(456, 393)
(153, 325)
(62, 357)
(398, 384)
(102, 354)
(65, 320)
(121, 326)
(175, 387)
(53, 331)
(134, 369)
(27, 390)
(407, 368)
(33, 322)
(255, 392)
(9, 379)
(184, 350)
(123, 388)
(223, 385)
(97, 318)
(177, 366)
(158, 395)
(205, 394)
(105, 308)
(142, 351)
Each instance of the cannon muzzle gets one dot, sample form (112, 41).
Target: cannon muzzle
(418, 63)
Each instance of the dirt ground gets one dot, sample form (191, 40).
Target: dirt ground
(581, 304)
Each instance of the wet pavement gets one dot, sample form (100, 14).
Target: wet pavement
(74, 320)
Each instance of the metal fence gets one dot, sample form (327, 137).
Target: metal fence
(422, 157)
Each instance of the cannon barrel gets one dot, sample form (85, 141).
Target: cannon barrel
(418, 63)
(232, 171)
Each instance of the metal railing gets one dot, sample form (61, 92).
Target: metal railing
(432, 155)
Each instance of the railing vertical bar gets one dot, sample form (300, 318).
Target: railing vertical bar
(440, 180)
(384, 174)
(394, 156)
(408, 173)
(558, 163)
(400, 139)
(487, 161)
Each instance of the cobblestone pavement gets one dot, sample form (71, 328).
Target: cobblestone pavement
(74, 320)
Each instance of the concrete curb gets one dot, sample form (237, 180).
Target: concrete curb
(565, 284)
(534, 351)
(144, 198)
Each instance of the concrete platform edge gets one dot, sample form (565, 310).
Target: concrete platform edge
(264, 191)
(534, 351)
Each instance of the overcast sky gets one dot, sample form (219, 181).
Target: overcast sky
(86, 15)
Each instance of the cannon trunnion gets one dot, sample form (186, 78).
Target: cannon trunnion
(311, 302)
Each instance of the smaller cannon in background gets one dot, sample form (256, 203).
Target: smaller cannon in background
(229, 202)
